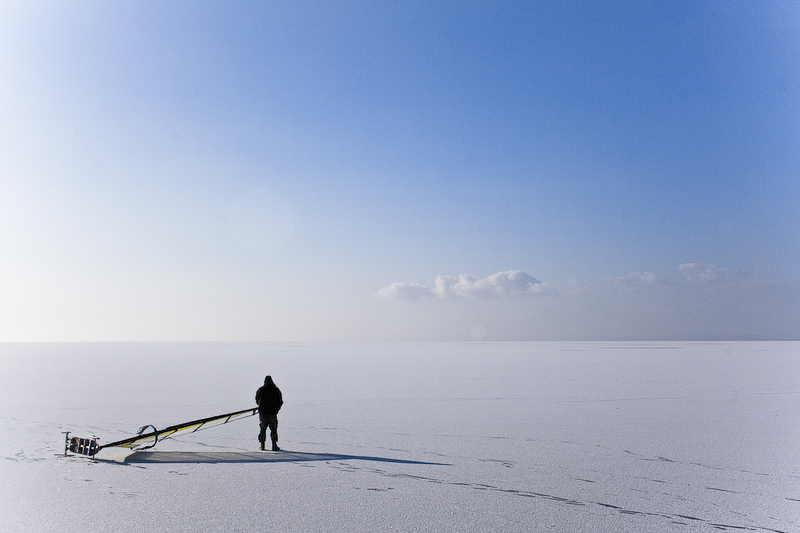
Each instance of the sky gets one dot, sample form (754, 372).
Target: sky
(366, 171)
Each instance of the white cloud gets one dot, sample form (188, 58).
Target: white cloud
(695, 301)
(509, 283)
(700, 273)
(405, 291)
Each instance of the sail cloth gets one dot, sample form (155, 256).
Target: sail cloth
(147, 439)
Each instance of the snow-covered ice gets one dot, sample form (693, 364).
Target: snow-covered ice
(623, 437)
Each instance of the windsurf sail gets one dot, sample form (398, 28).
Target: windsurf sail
(145, 439)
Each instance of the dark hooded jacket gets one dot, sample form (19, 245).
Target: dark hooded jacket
(269, 397)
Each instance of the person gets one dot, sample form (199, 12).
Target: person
(269, 400)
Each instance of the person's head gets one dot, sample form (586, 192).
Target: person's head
(268, 380)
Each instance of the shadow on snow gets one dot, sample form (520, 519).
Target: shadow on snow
(257, 457)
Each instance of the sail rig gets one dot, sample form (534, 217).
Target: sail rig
(145, 439)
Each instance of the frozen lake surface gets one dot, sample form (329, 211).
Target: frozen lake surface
(623, 437)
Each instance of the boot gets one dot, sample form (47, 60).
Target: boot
(262, 446)
(275, 447)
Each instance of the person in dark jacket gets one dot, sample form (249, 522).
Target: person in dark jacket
(269, 400)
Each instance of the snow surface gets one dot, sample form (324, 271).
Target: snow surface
(610, 437)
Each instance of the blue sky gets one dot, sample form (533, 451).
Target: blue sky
(327, 170)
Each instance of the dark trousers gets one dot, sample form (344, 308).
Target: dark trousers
(268, 420)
